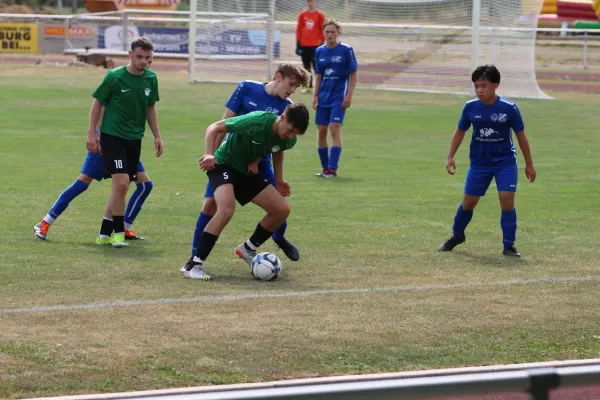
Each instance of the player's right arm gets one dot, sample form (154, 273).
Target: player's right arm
(457, 139)
(214, 134)
(93, 141)
(317, 87)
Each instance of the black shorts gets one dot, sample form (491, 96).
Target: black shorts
(245, 187)
(308, 57)
(120, 156)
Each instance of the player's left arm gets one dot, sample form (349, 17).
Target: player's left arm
(153, 123)
(517, 125)
(152, 119)
(282, 186)
(353, 70)
(526, 150)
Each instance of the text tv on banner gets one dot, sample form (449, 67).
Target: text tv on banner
(18, 38)
(175, 40)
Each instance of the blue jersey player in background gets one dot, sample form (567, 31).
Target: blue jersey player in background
(252, 96)
(492, 155)
(336, 76)
(90, 170)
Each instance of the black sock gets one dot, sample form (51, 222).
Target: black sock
(119, 222)
(106, 228)
(260, 236)
(207, 242)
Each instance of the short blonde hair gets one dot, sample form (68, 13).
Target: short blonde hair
(293, 71)
(333, 22)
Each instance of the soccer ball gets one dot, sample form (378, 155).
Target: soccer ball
(266, 266)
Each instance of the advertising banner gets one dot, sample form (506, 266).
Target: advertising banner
(220, 41)
(55, 38)
(18, 38)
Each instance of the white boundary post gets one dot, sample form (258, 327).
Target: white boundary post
(192, 42)
(270, 40)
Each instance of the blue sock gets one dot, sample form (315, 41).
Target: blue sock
(137, 200)
(461, 220)
(508, 223)
(280, 232)
(324, 156)
(334, 157)
(201, 223)
(66, 197)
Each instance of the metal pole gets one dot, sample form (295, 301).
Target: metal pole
(192, 43)
(270, 42)
(475, 18)
(585, 50)
(405, 45)
(125, 31)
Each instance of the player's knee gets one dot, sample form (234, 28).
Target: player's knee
(120, 186)
(283, 211)
(210, 206)
(226, 212)
(148, 187)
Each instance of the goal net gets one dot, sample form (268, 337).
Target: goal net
(411, 45)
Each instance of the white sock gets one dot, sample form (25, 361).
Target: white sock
(250, 245)
(48, 219)
(198, 260)
(127, 226)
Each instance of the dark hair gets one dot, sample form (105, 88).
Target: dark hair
(143, 43)
(489, 72)
(297, 115)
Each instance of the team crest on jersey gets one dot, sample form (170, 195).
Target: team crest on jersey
(275, 149)
(336, 59)
(147, 91)
(310, 24)
(272, 110)
(498, 117)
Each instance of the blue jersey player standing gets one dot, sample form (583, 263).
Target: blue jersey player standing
(492, 156)
(252, 96)
(336, 75)
(90, 170)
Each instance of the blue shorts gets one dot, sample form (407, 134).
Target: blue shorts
(479, 179)
(330, 115)
(92, 166)
(265, 169)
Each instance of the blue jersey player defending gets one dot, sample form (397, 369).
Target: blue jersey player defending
(336, 75)
(252, 96)
(90, 170)
(492, 156)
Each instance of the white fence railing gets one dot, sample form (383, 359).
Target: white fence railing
(538, 380)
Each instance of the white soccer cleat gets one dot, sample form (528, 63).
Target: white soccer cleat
(197, 272)
(247, 255)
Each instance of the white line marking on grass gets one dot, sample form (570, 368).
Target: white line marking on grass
(217, 299)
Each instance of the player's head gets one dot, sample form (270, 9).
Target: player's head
(312, 4)
(141, 53)
(288, 78)
(331, 29)
(486, 79)
(293, 121)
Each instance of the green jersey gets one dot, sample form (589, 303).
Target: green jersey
(126, 98)
(250, 137)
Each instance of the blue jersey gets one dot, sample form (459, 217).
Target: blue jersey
(335, 66)
(491, 141)
(251, 96)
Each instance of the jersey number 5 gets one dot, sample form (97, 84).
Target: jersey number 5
(225, 176)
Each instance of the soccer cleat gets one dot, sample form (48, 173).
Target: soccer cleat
(451, 243)
(307, 90)
(106, 240)
(511, 251)
(130, 235)
(41, 230)
(330, 174)
(197, 272)
(187, 266)
(323, 174)
(288, 248)
(247, 255)
(119, 240)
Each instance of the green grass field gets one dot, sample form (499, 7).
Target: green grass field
(370, 293)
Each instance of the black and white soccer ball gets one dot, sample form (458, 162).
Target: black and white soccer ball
(266, 266)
